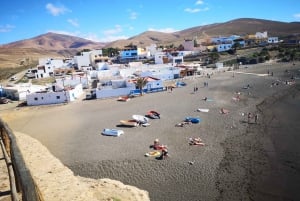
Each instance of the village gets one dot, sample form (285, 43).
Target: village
(98, 76)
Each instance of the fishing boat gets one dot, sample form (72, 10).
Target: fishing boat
(112, 132)
(129, 123)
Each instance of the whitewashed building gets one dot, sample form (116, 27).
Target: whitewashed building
(82, 60)
(46, 67)
(73, 80)
(126, 87)
(161, 58)
(47, 97)
(273, 40)
(20, 91)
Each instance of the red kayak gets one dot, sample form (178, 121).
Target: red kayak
(153, 115)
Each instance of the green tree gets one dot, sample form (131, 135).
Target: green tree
(140, 83)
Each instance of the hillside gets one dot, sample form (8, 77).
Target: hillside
(54, 41)
(59, 45)
(47, 45)
(241, 26)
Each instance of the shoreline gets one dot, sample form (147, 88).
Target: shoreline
(220, 166)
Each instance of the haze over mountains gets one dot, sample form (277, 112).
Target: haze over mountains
(52, 44)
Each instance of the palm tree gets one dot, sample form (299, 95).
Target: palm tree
(140, 83)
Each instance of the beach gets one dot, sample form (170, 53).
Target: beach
(240, 160)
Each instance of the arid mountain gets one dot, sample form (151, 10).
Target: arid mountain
(59, 45)
(53, 41)
(241, 27)
(43, 46)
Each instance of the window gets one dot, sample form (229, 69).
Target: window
(57, 97)
(35, 98)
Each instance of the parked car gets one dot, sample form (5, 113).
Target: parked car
(13, 78)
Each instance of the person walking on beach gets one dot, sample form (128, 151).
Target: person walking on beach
(249, 117)
(256, 118)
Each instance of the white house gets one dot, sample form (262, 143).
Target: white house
(47, 97)
(46, 67)
(151, 50)
(273, 40)
(73, 80)
(82, 60)
(177, 60)
(161, 58)
(261, 35)
(19, 91)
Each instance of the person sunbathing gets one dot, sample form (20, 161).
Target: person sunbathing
(182, 124)
(224, 111)
(158, 146)
(196, 141)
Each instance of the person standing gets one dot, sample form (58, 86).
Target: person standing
(249, 117)
(256, 118)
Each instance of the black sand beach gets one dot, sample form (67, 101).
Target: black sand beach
(239, 161)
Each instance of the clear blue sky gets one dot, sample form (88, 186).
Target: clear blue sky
(108, 20)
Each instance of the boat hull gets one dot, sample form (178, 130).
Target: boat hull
(112, 132)
(129, 123)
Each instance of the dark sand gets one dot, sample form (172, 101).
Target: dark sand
(240, 161)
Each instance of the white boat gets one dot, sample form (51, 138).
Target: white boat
(202, 110)
(140, 118)
(112, 132)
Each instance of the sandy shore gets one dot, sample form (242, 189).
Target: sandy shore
(240, 161)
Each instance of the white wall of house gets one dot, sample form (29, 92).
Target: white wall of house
(46, 98)
(219, 65)
(19, 91)
(46, 67)
(261, 35)
(127, 72)
(160, 57)
(109, 92)
(73, 81)
(151, 50)
(154, 84)
(76, 92)
(167, 73)
(83, 60)
(54, 97)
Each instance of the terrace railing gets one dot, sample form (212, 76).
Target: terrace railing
(22, 184)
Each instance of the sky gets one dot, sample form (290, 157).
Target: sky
(109, 20)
